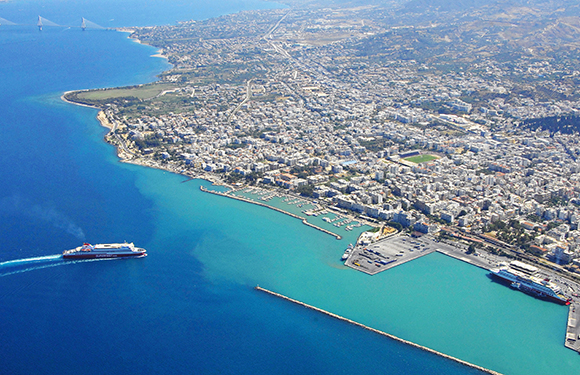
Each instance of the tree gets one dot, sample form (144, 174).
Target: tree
(305, 190)
(394, 224)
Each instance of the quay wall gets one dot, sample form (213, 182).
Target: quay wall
(424, 348)
(573, 314)
(465, 259)
(304, 221)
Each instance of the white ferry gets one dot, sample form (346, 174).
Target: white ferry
(108, 250)
(524, 277)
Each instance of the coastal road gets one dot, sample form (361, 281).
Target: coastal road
(121, 141)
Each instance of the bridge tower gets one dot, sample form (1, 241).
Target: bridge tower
(83, 24)
(39, 24)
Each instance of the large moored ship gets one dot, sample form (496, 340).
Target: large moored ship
(524, 277)
(107, 250)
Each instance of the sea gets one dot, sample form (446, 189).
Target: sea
(190, 307)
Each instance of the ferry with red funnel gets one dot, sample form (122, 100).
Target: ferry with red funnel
(108, 250)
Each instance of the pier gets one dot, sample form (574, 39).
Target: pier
(573, 328)
(393, 337)
(387, 253)
(303, 219)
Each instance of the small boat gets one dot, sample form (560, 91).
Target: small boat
(345, 255)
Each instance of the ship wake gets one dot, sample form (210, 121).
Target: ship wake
(17, 266)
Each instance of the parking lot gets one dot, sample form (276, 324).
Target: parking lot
(388, 253)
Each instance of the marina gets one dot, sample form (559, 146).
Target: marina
(265, 198)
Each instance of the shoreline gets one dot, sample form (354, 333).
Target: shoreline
(143, 162)
(159, 52)
(104, 122)
(160, 55)
(64, 99)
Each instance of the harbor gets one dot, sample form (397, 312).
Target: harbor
(386, 253)
(377, 252)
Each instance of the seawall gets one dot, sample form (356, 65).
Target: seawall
(424, 348)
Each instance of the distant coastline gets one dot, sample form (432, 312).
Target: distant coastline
(137, 40)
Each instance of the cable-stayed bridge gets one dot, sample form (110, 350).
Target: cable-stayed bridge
(42, 22)
(6, 22)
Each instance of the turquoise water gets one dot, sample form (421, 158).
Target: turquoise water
(190, 307)
(436, 301)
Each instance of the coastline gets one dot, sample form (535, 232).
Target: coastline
(149, 162)
(143, 162)
(104, 121)
(131, 31)
(215, 180)
(64, 99)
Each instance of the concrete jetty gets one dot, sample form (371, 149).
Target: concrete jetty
(474, 260)
(387, 253)
(303, 219)
(393, 337)
(573, 328)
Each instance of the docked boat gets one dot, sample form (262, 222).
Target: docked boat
(108, 250)
(524, 277)
(347, 252)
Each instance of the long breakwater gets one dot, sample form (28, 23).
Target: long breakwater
(393, 337)
(304, 221)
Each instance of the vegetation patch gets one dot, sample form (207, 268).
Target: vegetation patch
(143, 92)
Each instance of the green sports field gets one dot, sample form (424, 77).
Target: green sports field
(421, 158)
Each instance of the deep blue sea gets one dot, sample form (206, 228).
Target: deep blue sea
(190, 306)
